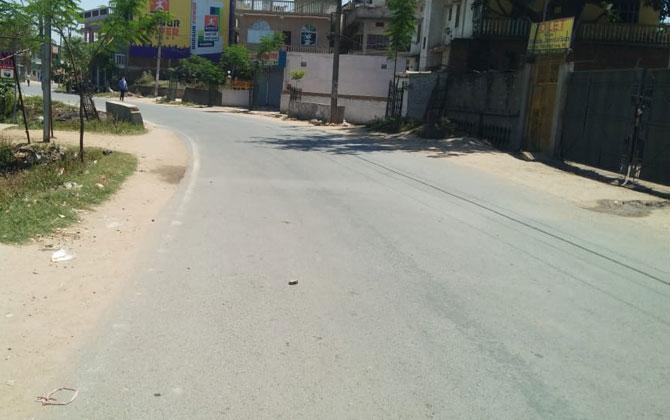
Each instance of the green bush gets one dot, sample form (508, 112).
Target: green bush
(393, 125)
(6, 155)
(146, 79)
(7, 99)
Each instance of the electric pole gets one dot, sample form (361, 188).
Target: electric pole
(161, 28)
(336, 62)
(46, 79)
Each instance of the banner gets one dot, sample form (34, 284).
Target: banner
(207, 26)
(550, 36)
(176, 31)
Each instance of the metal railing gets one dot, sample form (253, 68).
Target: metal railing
(502, 28)
(625, 33)
(309, 49)
(302, 7)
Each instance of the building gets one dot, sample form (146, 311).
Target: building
(306, 24)
(365, 27)
(488, 34)
(198, 27)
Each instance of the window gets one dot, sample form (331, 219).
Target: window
(451, 9)
(308, 35)
(87, 14)
(458, 15)
(287, 37)
(379, 24)
(258, 30)
(96, 13)
(120, 60)
(103, 12)
(377, 42)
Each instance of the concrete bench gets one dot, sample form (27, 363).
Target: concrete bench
(121, 111)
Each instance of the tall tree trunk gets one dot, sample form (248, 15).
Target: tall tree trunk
(23, 108)
(81, 123)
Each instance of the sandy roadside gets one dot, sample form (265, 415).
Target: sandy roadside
(47, 308)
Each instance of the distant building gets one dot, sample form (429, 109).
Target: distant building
(365, 26)
(305, 24)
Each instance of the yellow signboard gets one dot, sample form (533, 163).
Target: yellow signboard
(550, 35)
(177, 31)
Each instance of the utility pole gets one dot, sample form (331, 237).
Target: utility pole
(336, 62)
(161, 28)
(46, 79)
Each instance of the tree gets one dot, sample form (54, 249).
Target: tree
(236, 62)
(119, 30)
(269, 43)
(197, 70)
(401, 27)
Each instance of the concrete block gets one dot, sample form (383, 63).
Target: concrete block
(122, 111)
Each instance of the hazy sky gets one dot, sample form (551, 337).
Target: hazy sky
(91, 4)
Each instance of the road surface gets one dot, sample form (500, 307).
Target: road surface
(425, 290)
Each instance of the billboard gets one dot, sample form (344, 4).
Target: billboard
(209, 23)
(550, 36)
(176, 31)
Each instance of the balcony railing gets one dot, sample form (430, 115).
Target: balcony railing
(501, 28)
(299, 7)
(625, 33)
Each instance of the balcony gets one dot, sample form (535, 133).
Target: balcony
(495, 28)
(625, 34)
(293, 7)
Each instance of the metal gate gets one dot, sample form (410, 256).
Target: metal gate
(395, 98)
(267, 88)
(618, 120)
(544, 81)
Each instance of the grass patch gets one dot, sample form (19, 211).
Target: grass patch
(35, 201)
(393, 125)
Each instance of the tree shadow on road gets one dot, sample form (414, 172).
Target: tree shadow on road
(350, 143)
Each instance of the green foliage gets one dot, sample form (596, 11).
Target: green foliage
(6, 154)
(393, 125)
(270, 43)
(146, 79)
(7, 99)
(197, 70)
(402, 24)
(297, 74)
(236, 60)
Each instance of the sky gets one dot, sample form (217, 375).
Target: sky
(91, 4)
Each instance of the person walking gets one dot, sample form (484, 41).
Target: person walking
(123, 88)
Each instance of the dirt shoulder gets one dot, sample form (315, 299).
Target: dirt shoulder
(47, 307)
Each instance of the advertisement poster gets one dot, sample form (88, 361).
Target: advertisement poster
(207, 17)
(550, 36)
(176, 32)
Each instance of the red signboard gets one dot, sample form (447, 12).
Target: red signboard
(6, 61)
(160, 5)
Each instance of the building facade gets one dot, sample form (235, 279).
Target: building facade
(305, 24)
(365, 26)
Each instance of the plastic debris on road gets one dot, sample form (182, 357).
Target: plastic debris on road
(61, 255)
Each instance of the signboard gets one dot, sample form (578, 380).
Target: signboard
(550, 36)
(175, 31)
(6, 61)
(6, 73)
(206, 19)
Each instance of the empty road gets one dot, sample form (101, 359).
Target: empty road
(425, 289)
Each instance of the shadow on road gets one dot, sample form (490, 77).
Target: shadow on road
(367, 142)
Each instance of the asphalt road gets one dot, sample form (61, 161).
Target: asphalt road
(425, 290)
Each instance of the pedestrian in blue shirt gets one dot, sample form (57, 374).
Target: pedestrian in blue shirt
(123, 88)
